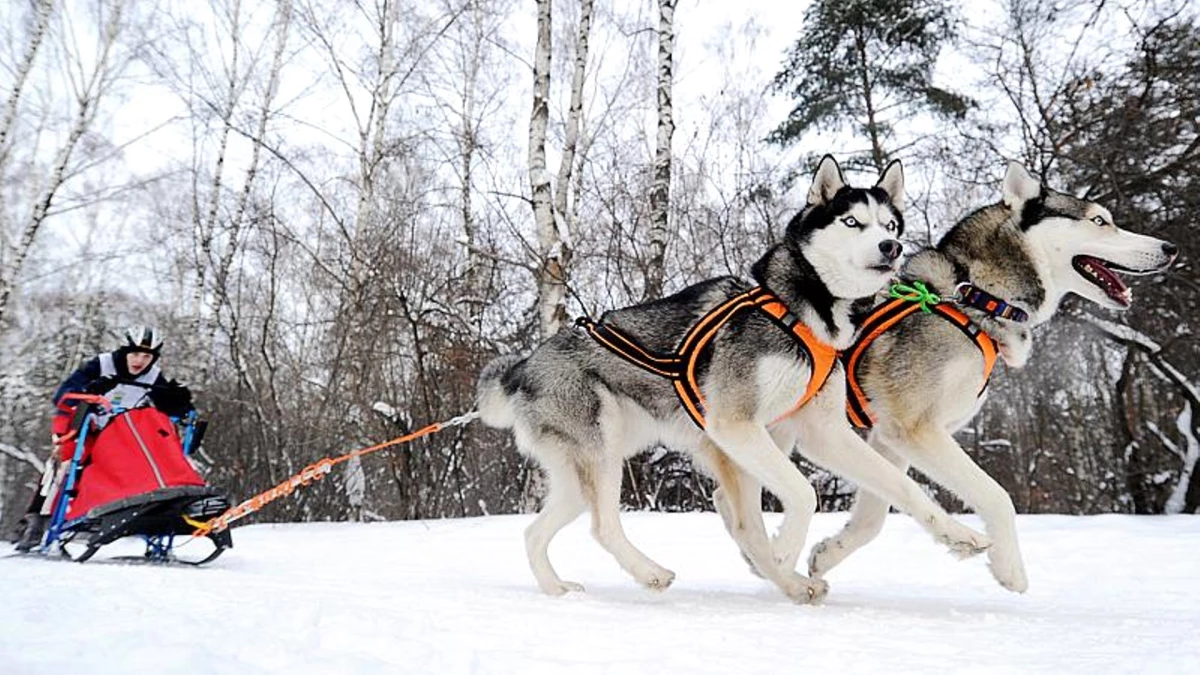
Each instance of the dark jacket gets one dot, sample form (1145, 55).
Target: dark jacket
(168, 396)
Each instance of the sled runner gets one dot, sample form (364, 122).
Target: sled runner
(129, 475)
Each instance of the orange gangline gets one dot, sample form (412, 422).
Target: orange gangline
(315, 471)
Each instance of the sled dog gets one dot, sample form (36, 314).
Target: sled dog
(922, 378)
(718, 370)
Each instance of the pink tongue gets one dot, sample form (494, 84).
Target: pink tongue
(1113, 285)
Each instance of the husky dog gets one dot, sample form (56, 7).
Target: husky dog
(922, 377)
(580, 409)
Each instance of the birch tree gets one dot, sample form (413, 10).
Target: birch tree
(553, 243)
(91, 66)
(661, 190)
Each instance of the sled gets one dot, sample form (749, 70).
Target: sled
(129, 476)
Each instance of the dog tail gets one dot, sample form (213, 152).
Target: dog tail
(495, 405)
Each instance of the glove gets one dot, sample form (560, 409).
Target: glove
(174, 399)
(100, 386)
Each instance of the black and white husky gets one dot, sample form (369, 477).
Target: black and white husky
(579, 409)
(922, 379)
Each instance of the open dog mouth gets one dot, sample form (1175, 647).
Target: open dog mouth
(1100, 272)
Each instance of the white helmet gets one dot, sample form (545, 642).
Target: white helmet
(144, 338)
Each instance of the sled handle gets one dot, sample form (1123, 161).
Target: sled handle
(87, 398)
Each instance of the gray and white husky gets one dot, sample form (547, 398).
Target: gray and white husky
(923, 378)
(579, 409)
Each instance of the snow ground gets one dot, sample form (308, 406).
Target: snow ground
(1109, 594)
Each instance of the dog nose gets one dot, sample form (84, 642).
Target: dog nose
(890, 248)
(1170, 249)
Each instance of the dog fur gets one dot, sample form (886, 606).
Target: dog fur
(579, 410)
(922, 377)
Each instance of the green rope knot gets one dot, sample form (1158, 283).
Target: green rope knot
(916, 293)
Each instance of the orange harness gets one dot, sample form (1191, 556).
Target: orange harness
(884, 317)
(680, 367)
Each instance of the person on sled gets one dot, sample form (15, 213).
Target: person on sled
(129, 377)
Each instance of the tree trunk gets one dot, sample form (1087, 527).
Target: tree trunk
(864, 65)
(1184, 386)
(206, 223)
(553, 246)
(661, 190)
(41, 23)
(88, 96)
(562, 185)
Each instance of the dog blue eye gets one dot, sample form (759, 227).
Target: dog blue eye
(850, 221)
(1099, 220)
(891, 226)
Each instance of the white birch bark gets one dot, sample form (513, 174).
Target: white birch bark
(89, 89)
(661, 188)
(224, 307)
(562, 186)
(42, 12)
(551, 273)
(205, 220)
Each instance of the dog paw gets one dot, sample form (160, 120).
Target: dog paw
(561, 587)
(657, 579)
(964, 542)
(1009, 572)
(825, 556)
(805, 591)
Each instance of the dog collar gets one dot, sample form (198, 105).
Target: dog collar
(968, 294)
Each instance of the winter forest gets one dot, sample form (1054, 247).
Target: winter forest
(338, 211)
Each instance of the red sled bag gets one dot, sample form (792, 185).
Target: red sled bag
(139, 451)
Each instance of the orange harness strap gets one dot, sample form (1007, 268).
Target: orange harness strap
(881, 319)
(680, 366)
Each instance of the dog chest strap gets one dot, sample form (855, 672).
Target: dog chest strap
(820, 354)
(881, 319)
(986, 343)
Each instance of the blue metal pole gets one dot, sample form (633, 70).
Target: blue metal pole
(189, 430)
(60, 505)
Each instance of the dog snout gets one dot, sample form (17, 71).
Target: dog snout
(1169, 249)
(890, 248)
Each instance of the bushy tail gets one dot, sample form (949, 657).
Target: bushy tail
(495, 406)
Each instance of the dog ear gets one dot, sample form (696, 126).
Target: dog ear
(826, 181)
(1019, 185)
(892, 182)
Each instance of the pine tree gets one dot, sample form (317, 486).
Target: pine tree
(866, 64)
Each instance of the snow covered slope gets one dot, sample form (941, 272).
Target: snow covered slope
(1108, 594)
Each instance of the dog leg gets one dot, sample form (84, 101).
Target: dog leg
(737, 498)
(741, 511)
(940, 457)
(865, 523)
(563, 504)
(835, 446)
(605, 493)
(750, 446)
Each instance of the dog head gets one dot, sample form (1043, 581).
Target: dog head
(851, 235)
(1077, 243)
